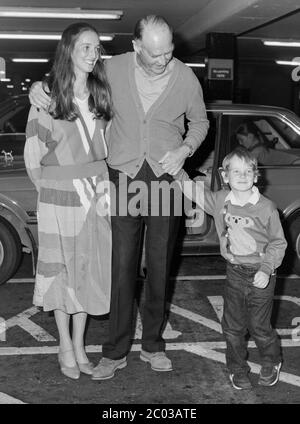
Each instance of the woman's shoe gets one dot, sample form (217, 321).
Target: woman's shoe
(86, 368)
(71, 372)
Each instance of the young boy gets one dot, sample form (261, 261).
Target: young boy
(253, 244)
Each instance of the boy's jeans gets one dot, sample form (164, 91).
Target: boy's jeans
(248, 307)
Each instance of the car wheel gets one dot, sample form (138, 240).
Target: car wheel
(10, 251)
(294, 242)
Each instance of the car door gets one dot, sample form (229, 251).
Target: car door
(15, 184)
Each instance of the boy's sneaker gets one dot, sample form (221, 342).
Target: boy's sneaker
(269, 375)
(240, 380)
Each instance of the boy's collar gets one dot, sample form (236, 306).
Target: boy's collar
(254, 198)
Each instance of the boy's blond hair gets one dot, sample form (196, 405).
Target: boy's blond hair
(241, 153)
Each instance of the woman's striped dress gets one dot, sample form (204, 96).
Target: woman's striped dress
(66, 162)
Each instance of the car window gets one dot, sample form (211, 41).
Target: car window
(272, 141)
(13, 119)
(287, 135)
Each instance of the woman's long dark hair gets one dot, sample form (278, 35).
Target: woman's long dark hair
(62, 77)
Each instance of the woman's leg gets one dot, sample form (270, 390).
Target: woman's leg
(65, 342)
(79, 321)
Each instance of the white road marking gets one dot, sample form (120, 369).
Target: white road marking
(22, 320)
(198, 277)
(199, 319)
(6, 399)
(20, 280)
(217, 303)
(223, 277)
(168, 333)
(178, 278)
(292, 299)
(51, 350)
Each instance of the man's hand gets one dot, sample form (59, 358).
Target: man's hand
(261, 280)
(173, 160)
(38, 97)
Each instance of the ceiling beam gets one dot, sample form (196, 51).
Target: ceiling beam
(230, 16)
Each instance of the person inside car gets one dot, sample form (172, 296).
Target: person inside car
(249, 136)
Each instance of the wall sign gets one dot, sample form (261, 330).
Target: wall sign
(220, 69)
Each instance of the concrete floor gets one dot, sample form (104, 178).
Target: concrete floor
(28, 362)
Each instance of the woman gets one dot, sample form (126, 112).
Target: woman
(65, 155)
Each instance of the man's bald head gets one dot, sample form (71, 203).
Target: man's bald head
(153, 44)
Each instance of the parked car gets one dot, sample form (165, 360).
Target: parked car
(18, 223)
(279, 130)
(279, 133)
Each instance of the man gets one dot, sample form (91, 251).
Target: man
(152, 94)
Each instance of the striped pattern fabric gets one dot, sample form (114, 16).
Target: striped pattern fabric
(74, 260)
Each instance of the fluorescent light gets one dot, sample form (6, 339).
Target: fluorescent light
(106, 56)
(196, 65)
(27, 80)
(5, 79)
(288, 62)
(282, 43)
(73, 13)
(32, 36)
(10, 86)
(107, 37)
(24, 36)
(30, 60)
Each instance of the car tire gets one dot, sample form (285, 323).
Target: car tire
(294, 242)
(10, 251)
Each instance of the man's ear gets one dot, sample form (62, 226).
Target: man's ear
(136, 46)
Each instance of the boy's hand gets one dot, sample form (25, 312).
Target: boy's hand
(261, 280)
(38, 97)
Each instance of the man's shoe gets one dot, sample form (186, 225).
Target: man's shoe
(240, 380)
(269, 375)
(107, 367)
(158, 360)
